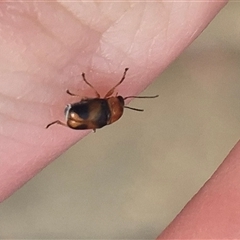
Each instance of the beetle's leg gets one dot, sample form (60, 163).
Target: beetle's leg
(71, 94)
(90, 85)
(56, 122)
(110, 92)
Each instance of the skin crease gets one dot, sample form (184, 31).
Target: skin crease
(44, 49)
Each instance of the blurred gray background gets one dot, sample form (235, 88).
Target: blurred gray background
(129, 180)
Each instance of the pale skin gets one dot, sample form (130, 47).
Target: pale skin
(44, 49)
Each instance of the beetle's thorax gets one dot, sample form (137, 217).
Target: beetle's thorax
(116, 105)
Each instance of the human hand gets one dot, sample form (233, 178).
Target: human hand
(46, 46)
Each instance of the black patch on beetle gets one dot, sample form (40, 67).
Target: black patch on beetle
(82, 126)
(104, 113)
(81, 108)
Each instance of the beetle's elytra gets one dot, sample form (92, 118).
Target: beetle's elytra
(93, 113)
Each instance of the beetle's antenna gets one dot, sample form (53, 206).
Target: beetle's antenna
(155, 96)
(138, 109)
(135, 109)
(110, 92)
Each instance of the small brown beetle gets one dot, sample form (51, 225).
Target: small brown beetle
(93, 113)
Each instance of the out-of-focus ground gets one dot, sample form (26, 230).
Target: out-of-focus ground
(129, 180)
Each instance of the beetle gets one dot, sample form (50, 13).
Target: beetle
(93, 113)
